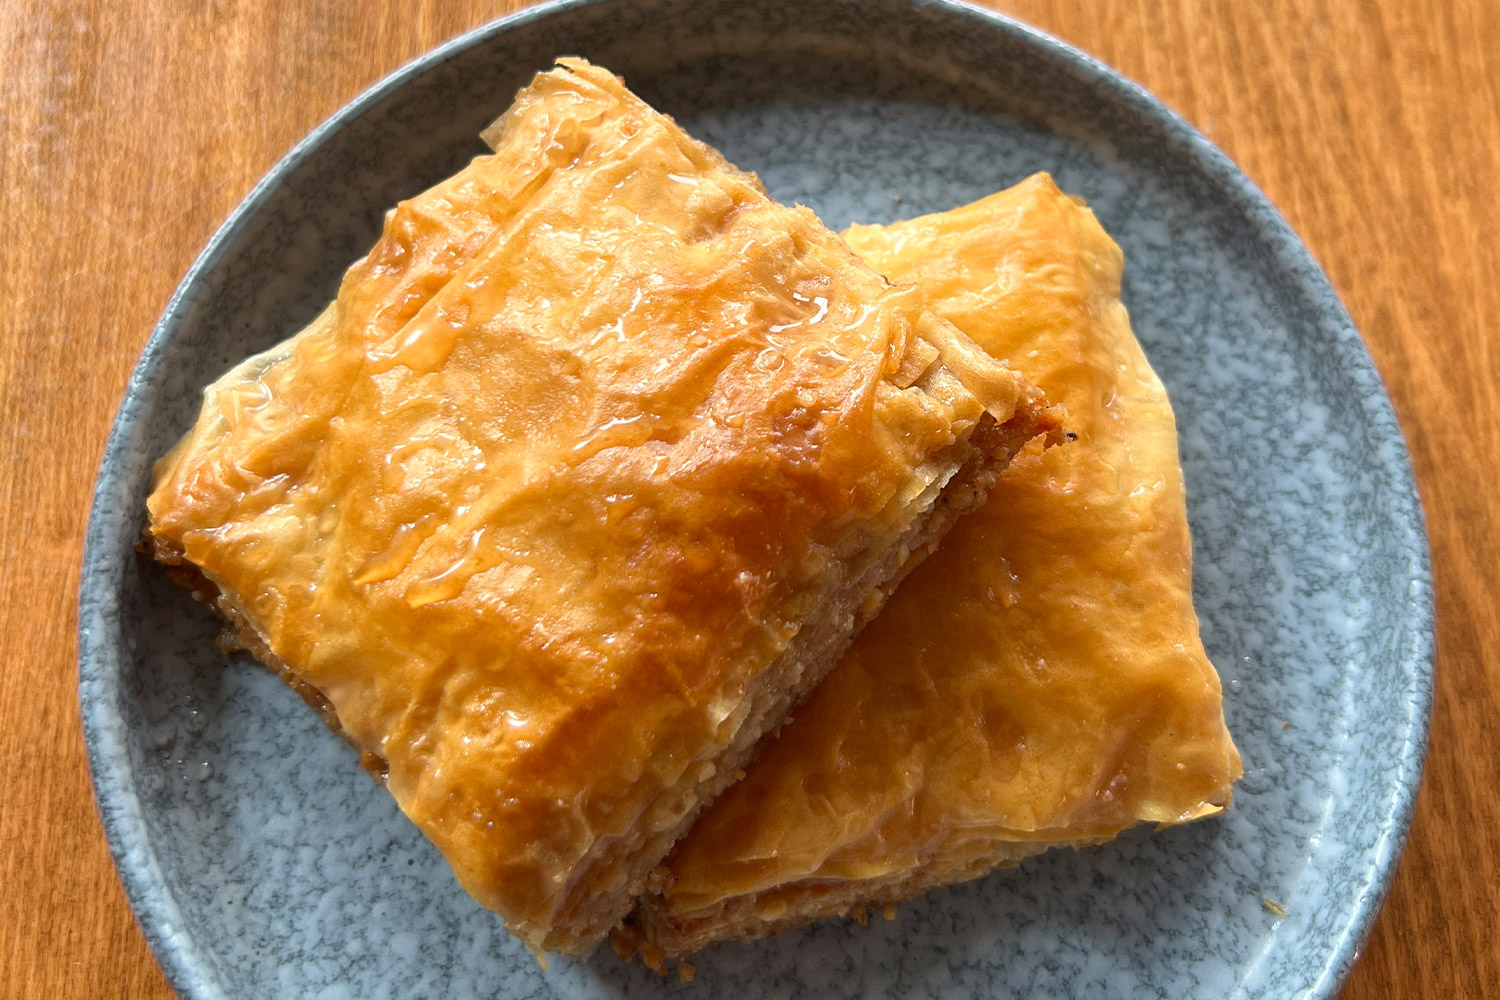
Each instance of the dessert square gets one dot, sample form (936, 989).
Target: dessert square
(592, 469)
(1040, 680)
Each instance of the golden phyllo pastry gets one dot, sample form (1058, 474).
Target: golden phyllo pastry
(593, 467)
(1038, 681)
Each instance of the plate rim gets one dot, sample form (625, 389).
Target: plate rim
(190, 971)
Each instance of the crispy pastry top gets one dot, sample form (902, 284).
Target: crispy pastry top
(1040, 678)
(565, 466)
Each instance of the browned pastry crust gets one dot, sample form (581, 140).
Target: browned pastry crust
(592, 468)
(1038, 682)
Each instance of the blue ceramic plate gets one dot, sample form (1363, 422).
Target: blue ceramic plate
(263, 863)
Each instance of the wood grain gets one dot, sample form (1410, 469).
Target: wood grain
(130, 131)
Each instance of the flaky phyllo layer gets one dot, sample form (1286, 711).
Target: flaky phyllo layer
(593, 467)
(1040, 680)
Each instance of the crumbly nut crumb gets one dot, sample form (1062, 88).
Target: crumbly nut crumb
(625, 940)
(685, 972)
(1275, 908)
(660, 880)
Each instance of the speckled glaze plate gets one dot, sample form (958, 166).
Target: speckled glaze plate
(262, 862)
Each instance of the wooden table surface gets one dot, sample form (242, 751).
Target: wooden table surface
(130, 131)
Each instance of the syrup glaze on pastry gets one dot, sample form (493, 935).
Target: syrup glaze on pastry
(594, 465)
(1040, 680)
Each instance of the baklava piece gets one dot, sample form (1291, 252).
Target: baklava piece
(1040, 680)
(592, 469)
